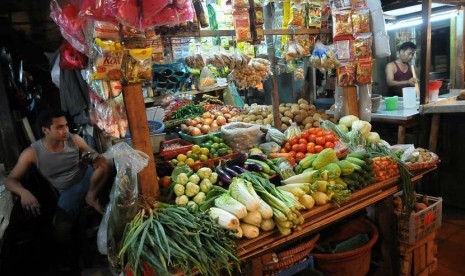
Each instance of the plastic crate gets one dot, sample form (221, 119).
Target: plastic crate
(169, 154)
(197, 139)
(422, 223)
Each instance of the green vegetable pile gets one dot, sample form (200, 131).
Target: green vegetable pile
(169, 239)
(188, 111)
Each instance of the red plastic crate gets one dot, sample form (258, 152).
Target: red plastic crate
(170, 154)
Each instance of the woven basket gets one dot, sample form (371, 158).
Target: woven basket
(275, 262)
(424, 165)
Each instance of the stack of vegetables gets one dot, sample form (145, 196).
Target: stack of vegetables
(190, 188)
(164, 239)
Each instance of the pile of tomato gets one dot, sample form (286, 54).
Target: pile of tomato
(312, 140)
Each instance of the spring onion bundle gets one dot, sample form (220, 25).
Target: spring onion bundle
(169, 238)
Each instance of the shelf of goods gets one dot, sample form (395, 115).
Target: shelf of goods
(322, 216)
(213, 33)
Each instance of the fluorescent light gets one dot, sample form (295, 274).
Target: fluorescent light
(418, 20)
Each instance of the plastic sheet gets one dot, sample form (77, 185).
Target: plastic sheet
(241, 136)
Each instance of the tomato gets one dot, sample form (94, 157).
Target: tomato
(311, 147)
(303, 141)
(329, 145)
(312, 130)
(320, 140)
(294, 140)
(312, 138)
(292, 153)
(299, 156)
(320, 133)
(295, 147)
(303, 147)
(283, 150)
(305, 134)
(329, 138)
(287, 146)
(318, 148)
(329, 132)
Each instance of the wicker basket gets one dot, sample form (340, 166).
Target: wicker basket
(424, 165)
(275, 262)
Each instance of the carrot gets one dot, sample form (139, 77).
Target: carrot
(279, 155)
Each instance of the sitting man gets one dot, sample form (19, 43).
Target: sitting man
(57, 156)
(398, 73)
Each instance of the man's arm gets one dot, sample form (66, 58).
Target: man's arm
(13, 184)
(390, 68)
(83, 147)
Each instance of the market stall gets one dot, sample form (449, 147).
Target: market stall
(239, 180)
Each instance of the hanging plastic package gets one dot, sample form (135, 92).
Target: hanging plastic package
(108, 60)
(126, 11)
(71, 58)
(66, 16)
(138, 65)
(364, 103)
(123, 198)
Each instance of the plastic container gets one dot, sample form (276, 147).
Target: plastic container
(422, 223)
(197, 139)
(409, 96)
(349, 263)
(375, 102)
(434, 90)
(391, 102)
(168, 154)
(156, 136)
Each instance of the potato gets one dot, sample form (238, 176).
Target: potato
(264, 114)
(289, 114)
(268, 121)
(303, 113)
(302, 101)
(308, 126)
(307, 107)
(259, 122)
(312, 107)
(283, 127)
(298, 118)
(303, 106)
(295, 111)
(259, 117)
(321, 111)
(308, 120)
(316, 116)
(311, 112)
(252, 117)
(316, 124)
(324, 116)
(286, 119)
(246, 120)
(282, 109)
(289, 104)
(295, 106)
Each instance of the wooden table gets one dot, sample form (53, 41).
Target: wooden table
(322, 216)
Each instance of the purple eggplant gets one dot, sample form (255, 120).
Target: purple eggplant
(259, 157)
(223, 176)
(230, 172)
(253, 167)
(238, 160)
(238, 169)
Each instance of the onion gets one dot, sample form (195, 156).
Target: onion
(190, 122)
(205, 129)
(198, 126)
(214, 126)
(220, 120)
(195, 131)
(206, 115)
(198, 120)
(233, 113)
(227, 116)
(207, 121)
(224, 110)
(184, 128)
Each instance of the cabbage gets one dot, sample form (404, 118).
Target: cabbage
(373, 138)
(227, 203)
(363, 126)
(348, 120)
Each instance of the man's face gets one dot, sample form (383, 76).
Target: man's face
(58, 130)
(407, 55)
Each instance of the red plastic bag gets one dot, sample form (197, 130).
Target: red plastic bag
(71, 58)
(95, 9)
(167, 16)
(154, 11)
(126, 11)
(186, 12)
(66, 15)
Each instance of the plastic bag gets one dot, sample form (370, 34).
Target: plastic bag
(71, 58)
(207, 79)
(107, 61)
(381, 39)
(138, 65)
(126, 11)
(270, 147)
(124, 195)
(292, 130)
(66, 15)
(404, 152)
(241, 136)
(274, 135)
(238, 101)
(364, 102)
(284, 168)
(55, 73)
(323, 57)
(342, 22)
(361, 21)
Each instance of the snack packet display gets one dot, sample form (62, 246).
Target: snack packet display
(364, 71)
(297, 19)
(242, 25)
(138, 65)
(346, 74)
(109, 116)
(342, 22)
(363, 46)
(341, 4)
(253, 74)
(323, 57)
(107, 61)
(106, 90)
(344, 47)
(361, 21)
(314, 17)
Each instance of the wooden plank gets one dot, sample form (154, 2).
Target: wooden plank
(425, 58)
(430, 252)
(257, 267)
(416, 261)
(138, 125)
(434, 132)
(401, 134)
(422, 252)
(350, 100)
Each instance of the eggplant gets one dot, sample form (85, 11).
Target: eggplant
(230, 172)
(238, 160)
(259, 157)
(238, 169)
(222, 175)
(253, 167)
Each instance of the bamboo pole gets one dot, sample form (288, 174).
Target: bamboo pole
(138, 125)
(351, 100)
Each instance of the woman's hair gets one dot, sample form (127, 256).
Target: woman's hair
(407, 45)
(46, 117)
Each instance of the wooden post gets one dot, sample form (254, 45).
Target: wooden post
(351, 100)
(425, 51)
(138, 125)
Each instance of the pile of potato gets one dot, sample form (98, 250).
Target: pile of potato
(255, 114)
(304, 114)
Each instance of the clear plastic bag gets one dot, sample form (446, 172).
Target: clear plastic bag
(241, 136)
(270, 147)
(364, 102)
(207, 79)
(292, 130)
(123, 197)
(274, 135)
(55, 73)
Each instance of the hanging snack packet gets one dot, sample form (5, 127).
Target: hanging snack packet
(138, 65)
(342, 23)
(361, 21)
(306, 45)
(358, 4)
(341, 4)
(364, 71)
(297, 17)
(314, 17)
(106, 30)
(346, 74)
(108, 59)
(363, 46)
(242, 25)
(344, 47)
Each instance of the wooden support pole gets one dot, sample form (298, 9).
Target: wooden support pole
(351, 100)
(138, 125)
(425, 51)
